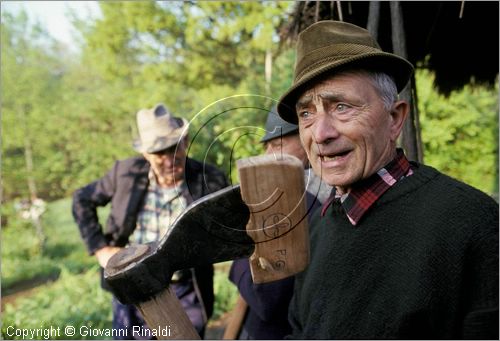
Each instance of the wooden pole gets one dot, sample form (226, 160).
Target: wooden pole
(238, 314)
(409, 136)
(166, 318)
(373, 19)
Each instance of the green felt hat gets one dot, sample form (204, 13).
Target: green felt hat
(329, 45)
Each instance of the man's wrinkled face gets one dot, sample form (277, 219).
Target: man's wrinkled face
(288, 144)
(169, 164)
(345, 129)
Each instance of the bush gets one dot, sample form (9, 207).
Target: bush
(226, 292)
(22, 272)
(73, 300)
(22, 259)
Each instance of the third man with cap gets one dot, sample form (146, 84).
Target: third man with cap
(266, 317)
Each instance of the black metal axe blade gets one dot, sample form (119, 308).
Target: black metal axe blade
(210, 230)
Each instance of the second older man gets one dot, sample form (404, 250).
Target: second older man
(147, 193)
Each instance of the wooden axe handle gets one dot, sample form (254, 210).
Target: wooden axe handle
(274, 190)
(164, 314)
(238, 313)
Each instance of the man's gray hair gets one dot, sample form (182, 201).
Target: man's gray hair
(385, 84)
(386, 87)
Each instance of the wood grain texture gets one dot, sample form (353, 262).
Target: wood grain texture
(273, 188)
(165, 315)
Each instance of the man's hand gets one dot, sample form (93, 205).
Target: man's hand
(103, 255)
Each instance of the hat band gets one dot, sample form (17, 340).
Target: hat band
(153, 139)
(153, 135)
(324, 55)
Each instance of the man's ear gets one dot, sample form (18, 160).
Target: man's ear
(399, 112)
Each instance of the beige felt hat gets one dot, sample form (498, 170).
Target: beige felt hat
(158, 129)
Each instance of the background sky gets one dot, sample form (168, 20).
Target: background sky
(54, 15)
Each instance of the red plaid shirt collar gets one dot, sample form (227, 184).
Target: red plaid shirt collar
(367, 191)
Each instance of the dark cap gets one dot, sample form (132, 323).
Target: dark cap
(277, 127)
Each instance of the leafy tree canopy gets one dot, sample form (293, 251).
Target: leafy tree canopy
(207, 62)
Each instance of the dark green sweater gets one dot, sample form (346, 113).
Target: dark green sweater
(422, 263)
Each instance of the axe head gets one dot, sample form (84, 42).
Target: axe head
(210, 230)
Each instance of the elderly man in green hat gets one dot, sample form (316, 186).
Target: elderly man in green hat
(399, 250)
(147, 193)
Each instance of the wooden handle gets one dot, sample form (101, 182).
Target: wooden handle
(165, 316)
(238, 313)
(273, 189)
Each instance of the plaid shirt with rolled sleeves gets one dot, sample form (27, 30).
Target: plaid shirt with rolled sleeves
(161, 207)
(365, 193)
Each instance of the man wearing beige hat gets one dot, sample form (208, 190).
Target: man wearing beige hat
(399, 250)
(147, 193)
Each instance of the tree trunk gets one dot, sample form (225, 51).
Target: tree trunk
(410, 142)
(373, 19)
(28, 156)
(268, 70)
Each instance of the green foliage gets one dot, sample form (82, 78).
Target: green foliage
(79, 109)
(29, 81)
(21, 258)
(74, 300)
(192, 44)
(196, 58)
(226, 292)
(460, 133)
(205, 61)
(22, 271)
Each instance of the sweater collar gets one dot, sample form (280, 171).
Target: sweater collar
(366, 192)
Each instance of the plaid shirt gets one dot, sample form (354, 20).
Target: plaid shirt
(366, 192)
(161, 207)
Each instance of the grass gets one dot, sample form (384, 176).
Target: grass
(226, 292)
(22, 260)
(74, 296)
(73, 300)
